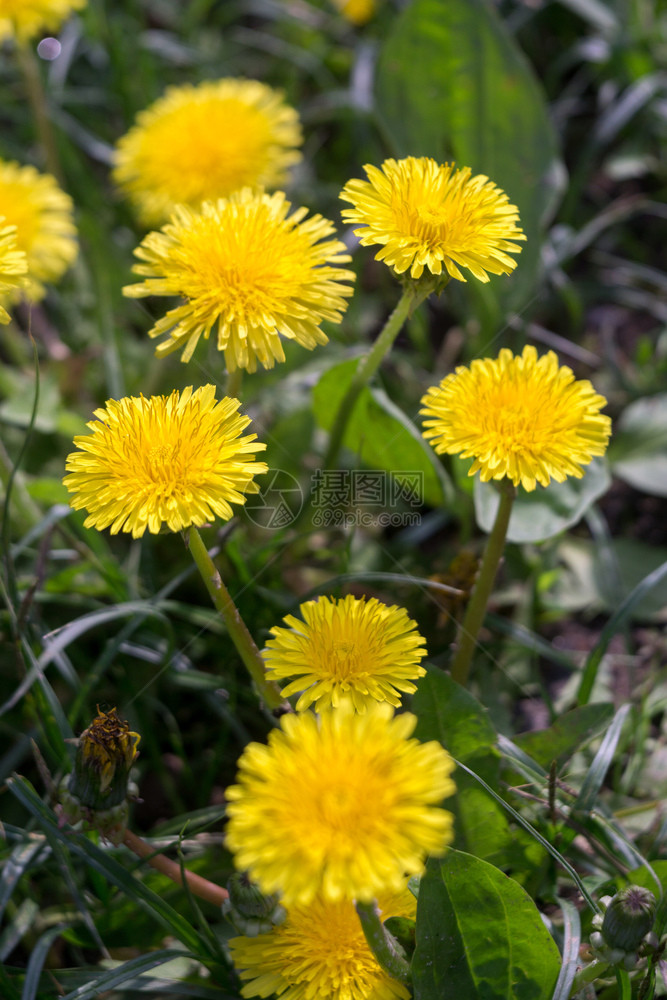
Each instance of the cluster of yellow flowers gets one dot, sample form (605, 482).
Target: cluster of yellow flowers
(343, 804)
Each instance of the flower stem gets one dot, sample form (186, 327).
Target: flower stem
(474, 616)
(37, 99)
(237, 628)
(197, 885)
(234, 382)
(588, 975)
(412, 297)
(383, 945)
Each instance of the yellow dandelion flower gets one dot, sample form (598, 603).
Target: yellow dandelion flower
(523, 418)
(242, 265)
(200, 143)
(350, 647)
(356, 11)
(24, 19)
(426, 215)
(320, 951)
(13, 266)
(176, 460)
(43, 216)
(341, 805)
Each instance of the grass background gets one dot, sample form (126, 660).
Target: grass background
(563, 104)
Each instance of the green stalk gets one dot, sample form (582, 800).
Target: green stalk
(234, 382)
(383, 945)
(236, 627)
(474, 616)
(37, 99)
(588, 975)
(413, 295)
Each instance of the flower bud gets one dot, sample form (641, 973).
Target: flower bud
(629, 917)
(97, 789)
(249, 910)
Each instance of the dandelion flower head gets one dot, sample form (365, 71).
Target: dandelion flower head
(173, 460)
(45, 230)
(350, 647)
(13, 266)
(246, 268)
(201, 142)
(24, 19)
(425, 215)
(342, 805)
(320, 951)
(520, 417)
(356, 11)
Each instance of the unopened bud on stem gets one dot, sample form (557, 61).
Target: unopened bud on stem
(629, 917)
(97, 789)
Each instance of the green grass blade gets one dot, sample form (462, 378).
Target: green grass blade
(108, 867)
(38, 956)
(520, 760)
(518, 818)
(26, 855)
(22, 920)
(128, 970)
(602, 761)
(571, 942)
(615, 623)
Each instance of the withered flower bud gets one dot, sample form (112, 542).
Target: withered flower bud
(97, 789)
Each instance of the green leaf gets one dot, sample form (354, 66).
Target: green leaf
(379, 433)
(479, 935)
(568, 733)
(38, 955)
(124, 972)
(601, 763)
(546, 511)
(446, 712)
(25, 855)
(615, 623)
(639, 452)
(23, 919)
(571, 943)
(453, 83)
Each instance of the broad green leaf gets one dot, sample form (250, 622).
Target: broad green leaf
(546, 511)
(379, 433)
(452, 83)
(568, 733)
(638, 453)
(583, 583)
(446, 712)
(479, 935)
